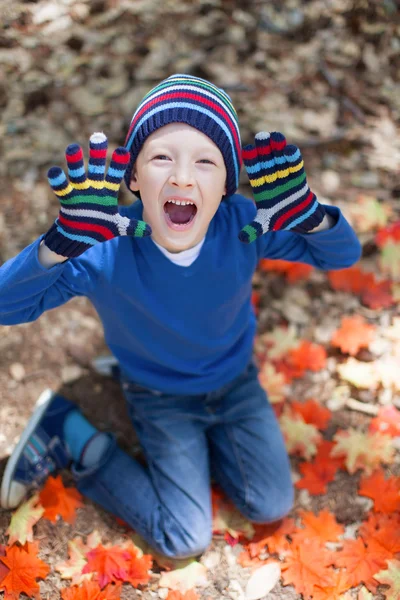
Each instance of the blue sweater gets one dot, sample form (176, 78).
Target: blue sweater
(172, 328)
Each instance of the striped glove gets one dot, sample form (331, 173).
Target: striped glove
(278, 180)
(89, 205)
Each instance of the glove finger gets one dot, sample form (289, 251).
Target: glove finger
(278, 144)
(59, 183)
(116, 170)
(250, 232)
(76, 168)
(138, 228)
(294, 158)
(98, 145)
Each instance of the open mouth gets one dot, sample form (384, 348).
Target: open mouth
(179, 216)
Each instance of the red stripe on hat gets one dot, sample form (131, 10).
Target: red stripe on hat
(188, 96)
(292, 211)
(75, 157)
(101, 153)
(104, 231)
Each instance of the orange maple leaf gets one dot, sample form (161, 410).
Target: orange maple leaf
(352, 279)
(307, 356)
(384, 492)
(316, 475)
(3, 569)
(273, 536)
(388, 233)
(378, 295)
(292, 271)
(245, 560)
(109, 563)
(25, 567)
(353, 334)
(361, 561)
(324, 451)
(176, 595)
(90, 590)
(387, 421)
(322, 527)
(306, 567)
(383, 529)
(313, 412)
(58, 500)
(139, 566)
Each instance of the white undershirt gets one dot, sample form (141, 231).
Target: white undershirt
(184, 258)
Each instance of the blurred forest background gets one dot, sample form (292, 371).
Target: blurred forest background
(326, 73)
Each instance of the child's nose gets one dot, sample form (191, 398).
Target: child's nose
(182, 176)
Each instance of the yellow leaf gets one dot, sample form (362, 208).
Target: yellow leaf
(185, 579)
(390, 577)
(279, 341)
(77, 550)
(368, 214)
(299, 436)
(360, 374)
(389, 260)
(364, 451)
(273, 383)
(22, 521)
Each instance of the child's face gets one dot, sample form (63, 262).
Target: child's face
(178, 162)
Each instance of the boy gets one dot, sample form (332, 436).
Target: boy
(171, 283)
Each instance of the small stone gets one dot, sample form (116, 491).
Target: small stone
(330, 181)
(211, 560)
(49, 11)
(17, 371)
(71, 373)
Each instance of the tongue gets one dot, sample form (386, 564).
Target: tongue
(179, 214)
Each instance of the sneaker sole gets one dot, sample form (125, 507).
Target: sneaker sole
(41, 404)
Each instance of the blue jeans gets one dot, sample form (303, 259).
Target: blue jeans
(230, 435)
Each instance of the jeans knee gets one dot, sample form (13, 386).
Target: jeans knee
(270, 508)
(178, 541)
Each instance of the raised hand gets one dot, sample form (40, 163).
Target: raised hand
(89, 204)
(280, 189)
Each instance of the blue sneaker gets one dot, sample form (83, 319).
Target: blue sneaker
(40, 451)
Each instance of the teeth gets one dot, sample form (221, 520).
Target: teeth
(180, 203)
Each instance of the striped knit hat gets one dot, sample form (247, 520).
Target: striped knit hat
(187, 99)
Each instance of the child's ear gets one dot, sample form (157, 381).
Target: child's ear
(134, 184)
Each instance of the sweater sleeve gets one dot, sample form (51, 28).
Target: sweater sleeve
(27, 289)
(334, 248)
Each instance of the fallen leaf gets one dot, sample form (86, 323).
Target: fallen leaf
(389, 233)
(90, 590)
(353, 334)
(359, 374)
(273, 536)
(77, 550)
(139, 565)
(109, 563)
(387, 421)
(59, 501)
(368, 213)
(316, 475)
(389, 260)
(22, 521)
(383, 529)
(185, 579)
(384, 492)
(378, 295)
(361, 561)
(176, 595)
(262, 581)
(272, 382)
(312, 412)
(390, 577)
(363, 450)
(307, 356)
(300, 437)
(278, 341)
(25, 567)
(306, 567)
(352, 279)
(322, 527)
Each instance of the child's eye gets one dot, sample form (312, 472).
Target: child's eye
(207, 161)
(161, 156)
